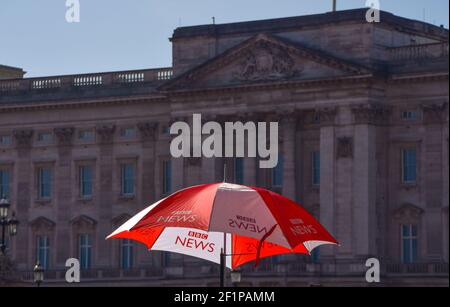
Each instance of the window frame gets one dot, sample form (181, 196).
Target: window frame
(280, 168)
(85, 250)
(126, 245)
(82, 180)
(237, 171)
(46, 250)
(40, 184)
(404, 166)
(4, 171)
(124, 180)
(412, 254)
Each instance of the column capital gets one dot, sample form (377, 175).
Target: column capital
(375, 114)
(106, 133)
(434, 112)
(327, 115)
(23, 138)
(64, 135)
(148, 130)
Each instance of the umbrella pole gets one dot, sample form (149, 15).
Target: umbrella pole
(222, 269)
(223, 255)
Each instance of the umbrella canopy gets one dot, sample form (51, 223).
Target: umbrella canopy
(251, 215)
(208, 246)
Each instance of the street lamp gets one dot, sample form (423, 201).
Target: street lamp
(235, 277)
(7, 224)
(38, 274)
(4, 208)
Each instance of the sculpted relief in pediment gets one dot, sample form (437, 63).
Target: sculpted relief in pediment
(266, 62)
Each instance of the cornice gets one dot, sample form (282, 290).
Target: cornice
(74, 104)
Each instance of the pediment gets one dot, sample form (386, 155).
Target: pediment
(83, 221)
(408, 212)
(262, 59)
(42, 223)
(120, 219)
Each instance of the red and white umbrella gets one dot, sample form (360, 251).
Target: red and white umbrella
(248, 216)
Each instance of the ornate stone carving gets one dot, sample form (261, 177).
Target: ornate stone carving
(344, 147)
(434, 113)
(23, 138)
(42, 224)
(64, 135)
(326, 116)
(120, 219)
(106, 133)
(266, 62)
(408, 213)
(375, 114)
(148, 130)
(83, 222)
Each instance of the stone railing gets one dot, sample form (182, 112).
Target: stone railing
(264, 270)
(86, 80)
(418, 52)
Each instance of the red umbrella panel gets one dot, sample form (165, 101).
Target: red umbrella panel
(229, 208)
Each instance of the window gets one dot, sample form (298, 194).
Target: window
(277, 173)
(409, 243)
(239, 170)
(167, 177)
(409, 115)
(126, 254)
(43, 251)
(167, 258)
(45, 137)
(86, 181)
(128, 132)
(85, 251)
(315, 163)
(5, 140)
(165, 130)
(409, 165)
(128, 179)
(4, 184)
(44, 182)
(86, 135)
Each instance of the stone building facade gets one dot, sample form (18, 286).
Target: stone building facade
(363, 114)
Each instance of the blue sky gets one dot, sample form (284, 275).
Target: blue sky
(133, 34)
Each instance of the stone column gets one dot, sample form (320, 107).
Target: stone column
(63, 175)
(327, 174)
(208, 165)
(178, 167)
(106, 198)
(433, 177)
(24, 196)
(364, 220)
(288, 140)
(148, 133)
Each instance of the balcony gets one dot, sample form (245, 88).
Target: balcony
(83, 86)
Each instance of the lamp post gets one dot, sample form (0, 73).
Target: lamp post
(7, 224)
(38, 274)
